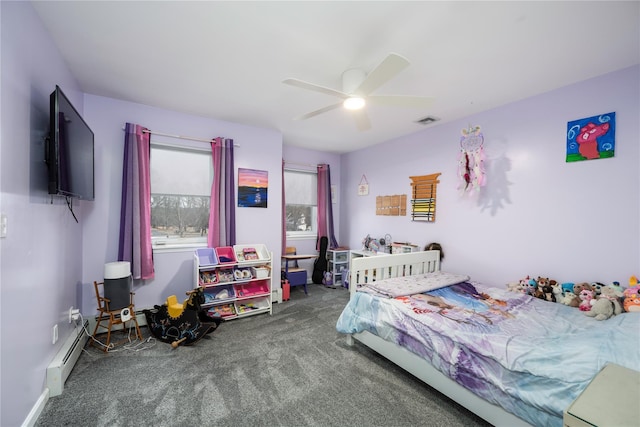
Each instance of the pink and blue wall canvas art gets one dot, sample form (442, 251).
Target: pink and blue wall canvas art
(591, 138)
(253, 187)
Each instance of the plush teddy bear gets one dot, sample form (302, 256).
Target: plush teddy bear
(607, 305)
(579, 287)
(586, 296)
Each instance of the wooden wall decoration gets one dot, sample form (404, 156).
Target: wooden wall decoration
(395, 205)
(423, 193)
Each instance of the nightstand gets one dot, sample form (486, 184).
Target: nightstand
(610, 399)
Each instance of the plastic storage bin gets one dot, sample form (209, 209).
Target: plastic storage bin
(225, 255)
(208, 278)
(247, 306)
(224, 310)
(261, 272)
(206, 257)
(218, 294)
(251, 289)
(260, 250)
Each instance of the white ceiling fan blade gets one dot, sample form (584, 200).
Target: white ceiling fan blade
(385, 71)
(320, 111)
(401, 101)
(362, 119)
(317, 88)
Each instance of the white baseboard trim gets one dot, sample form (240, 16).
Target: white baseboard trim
(37, 409)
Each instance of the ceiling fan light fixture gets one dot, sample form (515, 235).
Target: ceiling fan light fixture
(353, 103)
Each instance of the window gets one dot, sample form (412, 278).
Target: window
(180, 195)
(301, 203)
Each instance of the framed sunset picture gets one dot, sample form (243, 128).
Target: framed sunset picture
(253, 188)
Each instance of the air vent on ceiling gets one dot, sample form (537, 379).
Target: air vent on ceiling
(427, 120)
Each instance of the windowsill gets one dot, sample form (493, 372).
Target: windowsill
(301, 237)
(177, 247)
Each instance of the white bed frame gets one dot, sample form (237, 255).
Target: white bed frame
(377, 267)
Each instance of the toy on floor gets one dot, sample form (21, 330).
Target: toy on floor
(181, 323)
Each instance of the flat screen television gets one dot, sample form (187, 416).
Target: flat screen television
(70, 151)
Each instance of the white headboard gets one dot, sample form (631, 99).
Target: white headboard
(378, 267)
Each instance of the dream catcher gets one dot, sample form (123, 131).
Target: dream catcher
(470, 164)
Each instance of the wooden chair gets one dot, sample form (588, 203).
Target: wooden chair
(297, 276)
(108, 318)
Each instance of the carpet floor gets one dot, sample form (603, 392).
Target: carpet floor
(291, 368)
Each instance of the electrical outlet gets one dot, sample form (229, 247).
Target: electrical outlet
(55, 333)
(74, 314)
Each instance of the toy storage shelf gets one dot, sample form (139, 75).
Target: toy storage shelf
(235, 286)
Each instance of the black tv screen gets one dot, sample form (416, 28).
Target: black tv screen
(70, 153)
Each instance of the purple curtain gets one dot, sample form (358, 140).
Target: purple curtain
(222, 213)
(284, 214)
(135, 209)
(325, 210)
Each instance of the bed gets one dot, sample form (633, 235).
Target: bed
(511, 359)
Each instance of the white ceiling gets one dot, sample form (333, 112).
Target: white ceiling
(227, 60)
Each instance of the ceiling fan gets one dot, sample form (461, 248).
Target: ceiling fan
(357, 87)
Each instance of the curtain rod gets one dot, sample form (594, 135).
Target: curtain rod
(190, 138)
(300, 164)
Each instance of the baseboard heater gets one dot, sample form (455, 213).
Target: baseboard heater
(60, 367)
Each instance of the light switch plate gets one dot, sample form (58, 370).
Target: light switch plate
(3, 225)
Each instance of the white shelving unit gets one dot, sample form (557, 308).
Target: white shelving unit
(237, 281)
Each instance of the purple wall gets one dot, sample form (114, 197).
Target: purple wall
(303, 159)
(259, 149)
(538, 215)
(41, 257)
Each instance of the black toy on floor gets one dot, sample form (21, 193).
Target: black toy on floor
(181, 323)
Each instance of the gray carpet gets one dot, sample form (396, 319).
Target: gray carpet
(288, 369)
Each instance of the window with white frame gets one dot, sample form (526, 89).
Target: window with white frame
(301, 203)
(181, 180)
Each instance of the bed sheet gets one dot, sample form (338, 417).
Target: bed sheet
(530, 356)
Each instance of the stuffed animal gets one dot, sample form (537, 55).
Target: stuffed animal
(556, 289)
(632, 296)
(545, 291)
(596, 287)
(327, 278)
(586, 296)
(617, 287)
(567, 287)
(571, 299)
(532, 287)
(514, 286)
(579, 287)
(607, 305)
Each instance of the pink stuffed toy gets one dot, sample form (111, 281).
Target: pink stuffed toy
(586, 296)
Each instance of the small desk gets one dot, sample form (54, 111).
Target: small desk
(303, 277)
